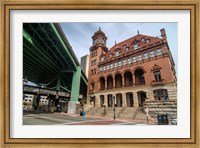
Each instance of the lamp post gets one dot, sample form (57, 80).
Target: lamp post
(104, 105)
(114, 106)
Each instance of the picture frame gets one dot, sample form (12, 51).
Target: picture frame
(7, 6)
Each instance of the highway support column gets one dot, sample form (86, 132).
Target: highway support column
(76, 80)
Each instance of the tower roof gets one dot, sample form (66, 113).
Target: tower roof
(99, 32)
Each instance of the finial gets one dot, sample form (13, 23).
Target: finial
(138, 32)
(99, 28)
(115, 42)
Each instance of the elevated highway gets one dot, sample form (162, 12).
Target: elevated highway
(49, 61)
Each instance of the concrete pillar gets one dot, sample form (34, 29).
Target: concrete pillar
(106, 100)
(135, 99)
(74, 91)
(124, 100)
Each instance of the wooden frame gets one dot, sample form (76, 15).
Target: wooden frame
(7, 5)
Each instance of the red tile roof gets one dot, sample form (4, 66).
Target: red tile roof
(129, 43)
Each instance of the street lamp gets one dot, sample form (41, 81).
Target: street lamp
(104, 105)
(114, 106)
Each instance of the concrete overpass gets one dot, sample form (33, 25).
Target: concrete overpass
(49, 61)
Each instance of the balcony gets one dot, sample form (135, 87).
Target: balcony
(140, 82)
(128, 84)
(158, 82)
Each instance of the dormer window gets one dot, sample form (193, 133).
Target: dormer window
(148, 40)
(117, 53)
(142, 39)
(126, 48)
(135, 46)
(110, 55)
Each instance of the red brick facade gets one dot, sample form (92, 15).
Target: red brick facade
(141, 65)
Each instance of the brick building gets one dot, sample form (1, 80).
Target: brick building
(135, 70)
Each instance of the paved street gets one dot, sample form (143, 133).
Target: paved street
(42, 118)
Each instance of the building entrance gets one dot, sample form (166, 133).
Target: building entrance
(101, 100)
(129, 99)
(141, 98)
(110, 101)
(119, 100)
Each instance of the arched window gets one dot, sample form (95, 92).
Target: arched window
(157, 75)
(161, 94)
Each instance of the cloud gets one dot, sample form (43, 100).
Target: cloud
(79, 34)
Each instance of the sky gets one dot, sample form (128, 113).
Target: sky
(80, 35)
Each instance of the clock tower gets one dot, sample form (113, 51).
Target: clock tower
(97, 49)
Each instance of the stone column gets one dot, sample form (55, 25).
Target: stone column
(124, 100)
(123, 81)
(113, 82)
(135, 99)
(98, 85)
(97, 101)
(106, 100)
(150, 95)
(105, 84)
(133, 77)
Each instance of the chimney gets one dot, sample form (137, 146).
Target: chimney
(163, 33)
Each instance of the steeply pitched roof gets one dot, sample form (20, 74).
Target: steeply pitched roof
(129, 43)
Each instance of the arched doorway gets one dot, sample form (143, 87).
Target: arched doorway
(101, 100)
(129, 99)
(128, 79)
(141, 97)
(109, 82)
(118, 80)
(119, 100)
(102, 83)
(110, 100)
(139, 77)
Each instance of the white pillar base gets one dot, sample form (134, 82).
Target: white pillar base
(72, 107)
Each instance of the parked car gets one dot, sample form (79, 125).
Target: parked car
(174, 121)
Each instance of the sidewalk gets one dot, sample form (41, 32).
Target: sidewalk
(151, 122)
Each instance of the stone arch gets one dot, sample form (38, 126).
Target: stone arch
(139, 67)
(118, 72)
(109, 82)
(128, 78)
(139, 76)
(118, 80)
(161, 94)
(102, 83)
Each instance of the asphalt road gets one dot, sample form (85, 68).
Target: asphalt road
(42, 118)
